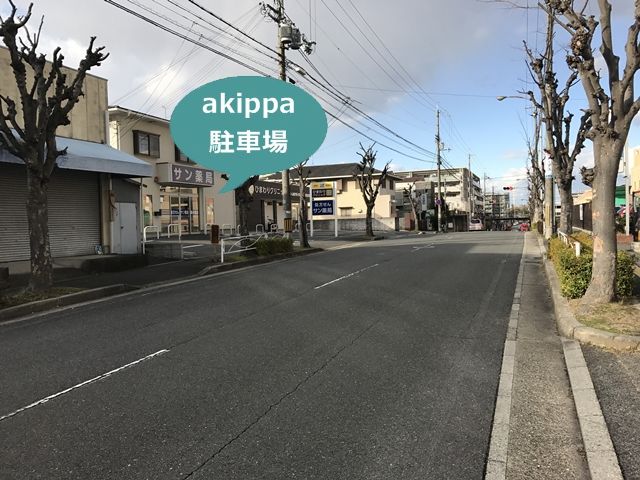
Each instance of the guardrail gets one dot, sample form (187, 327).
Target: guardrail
(149, 228)
(571, 242)
(227, 227)
(239, 244)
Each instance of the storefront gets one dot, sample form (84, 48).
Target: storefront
(182, 204)
(94, 202)
(266, 208)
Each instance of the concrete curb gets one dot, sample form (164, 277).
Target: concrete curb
(498, 447)
(601, 456)
(569, 327)
(223, 267)
(63, 301)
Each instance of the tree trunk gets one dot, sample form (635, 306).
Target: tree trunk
(536, 215)
(566, 208)
(369, 221)
(38, 217)
(414, 210)
(243, 214)
(302, 220)
(603, 275)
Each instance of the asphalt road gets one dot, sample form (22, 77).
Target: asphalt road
(379, 361)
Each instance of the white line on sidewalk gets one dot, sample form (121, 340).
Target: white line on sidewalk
(346, 276)
(82, 384)
(191, 246)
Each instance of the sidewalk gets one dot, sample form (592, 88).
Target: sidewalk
(544, 435)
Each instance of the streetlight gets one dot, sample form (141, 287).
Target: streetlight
(504, 97)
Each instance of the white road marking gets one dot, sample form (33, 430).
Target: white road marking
(191, 246)
(431, 245)
(344, 276)
(86, 382)
(340, 247)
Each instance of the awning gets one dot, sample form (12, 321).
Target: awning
(93, 157)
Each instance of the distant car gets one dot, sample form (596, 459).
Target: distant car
(524, 227)
(475, 225)
(515, 227)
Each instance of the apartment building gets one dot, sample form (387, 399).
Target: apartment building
(497, 205)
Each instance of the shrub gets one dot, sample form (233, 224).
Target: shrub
(274, 245)
(575, 272)
(624, 274)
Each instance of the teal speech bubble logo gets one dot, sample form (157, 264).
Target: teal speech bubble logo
(245, 126)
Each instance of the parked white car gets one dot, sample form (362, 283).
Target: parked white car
(475, 224)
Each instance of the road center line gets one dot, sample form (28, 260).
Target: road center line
(342, 278)
(82, 384)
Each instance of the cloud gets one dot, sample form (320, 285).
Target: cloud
(517, 154)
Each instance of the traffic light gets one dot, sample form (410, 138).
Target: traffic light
(507, 188)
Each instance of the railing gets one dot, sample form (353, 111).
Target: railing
(227, 228)
(178, 229)
(571, 242)
(239, 244)
(144, 236)
(206, 226)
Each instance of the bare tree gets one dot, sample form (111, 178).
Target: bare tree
(364, 175)
(409, 192)
(612, 107)
(28, 124)
(303, 184)
(557, 122)
(535, 174)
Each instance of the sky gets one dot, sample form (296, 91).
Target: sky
(398, 62)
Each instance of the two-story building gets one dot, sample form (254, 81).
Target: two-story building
(350, 209)
(94, 196)
(181, 195)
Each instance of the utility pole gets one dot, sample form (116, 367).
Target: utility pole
(493, 206)
(471, 202)
(549, 207)
(286, 194)
(484, 199)
(288, 37)
(439, 162)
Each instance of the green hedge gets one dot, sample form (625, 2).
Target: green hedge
(274, 245)
(575, 272)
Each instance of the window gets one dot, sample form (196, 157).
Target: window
(146, 144)
(390, 184)
(346, 211)
(181, 157)
(148, 210)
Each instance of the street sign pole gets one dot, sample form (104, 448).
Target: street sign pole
(335, 208)
(311, 209)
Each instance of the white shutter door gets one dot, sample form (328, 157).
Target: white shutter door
(74, 213)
